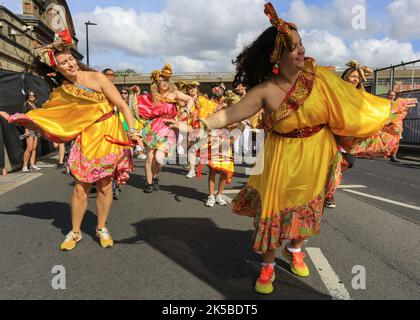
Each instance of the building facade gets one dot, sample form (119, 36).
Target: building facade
(36, 25)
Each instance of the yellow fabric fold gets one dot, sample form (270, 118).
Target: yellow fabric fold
(296, 169)
(71, 111)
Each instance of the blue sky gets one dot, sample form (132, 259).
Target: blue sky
(205, 35)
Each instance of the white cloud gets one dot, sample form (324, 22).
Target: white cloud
(384, 52)
(405, 19)
(208, 35)
(336, 16)
(197, 36)
(326, 48)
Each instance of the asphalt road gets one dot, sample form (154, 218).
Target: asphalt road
(168, 245)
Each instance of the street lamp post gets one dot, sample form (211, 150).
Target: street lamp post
(87, 39)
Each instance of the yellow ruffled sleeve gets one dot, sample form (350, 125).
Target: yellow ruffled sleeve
(351, 112)
(66, 114)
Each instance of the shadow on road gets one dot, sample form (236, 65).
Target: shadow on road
(59, 212)
(220, 257)
(138, 181)
(406, 165)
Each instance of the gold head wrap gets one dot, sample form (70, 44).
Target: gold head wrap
(183, 85)
(364, 72)
(166, 72)
(231, 98)
(62, 41)
(284, 34)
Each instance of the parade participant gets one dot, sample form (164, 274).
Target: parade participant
(31, 136)
(305, 106)
(356, 75)
(202, 108)
(157, 107)
(219, 152)
(81, 107)
(243, 144)
(391, 96)
(385, 143)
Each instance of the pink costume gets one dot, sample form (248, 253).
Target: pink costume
(156, 134)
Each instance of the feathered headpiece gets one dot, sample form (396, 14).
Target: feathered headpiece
(284, 35)
(166, 72)
(62, 41)
(183, 85)
(364, 72)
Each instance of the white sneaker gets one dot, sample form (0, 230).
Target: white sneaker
(211, 201)
(190, 174)
(35, 168)
(25, 170)
(220, 199)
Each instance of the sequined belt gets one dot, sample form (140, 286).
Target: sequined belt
(106, 116)
(304, 132)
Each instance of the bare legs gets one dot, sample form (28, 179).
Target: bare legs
(79, 202)
(29, 156)
(61, 152)
(154, 163)
(212, 182)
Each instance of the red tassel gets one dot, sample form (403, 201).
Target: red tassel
(276, 70)
(200, 165)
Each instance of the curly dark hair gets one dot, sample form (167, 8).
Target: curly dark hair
(253, 64)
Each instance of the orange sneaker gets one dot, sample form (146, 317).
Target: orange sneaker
(264, 284)
(297, 265)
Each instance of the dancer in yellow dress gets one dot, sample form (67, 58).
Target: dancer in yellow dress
(305, 106)
(81, 107)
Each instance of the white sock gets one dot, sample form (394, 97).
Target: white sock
(273, 264)
(293, 250)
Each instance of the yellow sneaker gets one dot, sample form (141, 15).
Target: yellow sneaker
(104, 238)
(297, 265)
(71, 240)
(264, 284)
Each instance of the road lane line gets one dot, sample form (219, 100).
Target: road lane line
(18, 180)
(344, 186)
(384, 200)
(351, 186)
(231, 191)
(328, 275)
(228, 199)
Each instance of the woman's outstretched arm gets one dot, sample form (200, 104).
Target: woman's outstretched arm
(244, 109)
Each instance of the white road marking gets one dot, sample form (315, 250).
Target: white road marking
(351, 186)
(15, 180)
(231, 191)
(328, 275)
(384, 200)
(228, 199)
(348, 186)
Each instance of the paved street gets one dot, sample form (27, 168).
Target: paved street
(168, 245)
